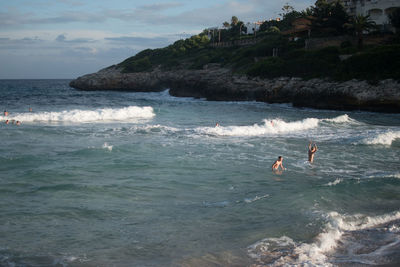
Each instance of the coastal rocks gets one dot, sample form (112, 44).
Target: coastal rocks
(220, 84)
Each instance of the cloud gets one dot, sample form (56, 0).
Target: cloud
(63, 39)
(158, 14)
(214, 15)
(140, 40)
(160, 6)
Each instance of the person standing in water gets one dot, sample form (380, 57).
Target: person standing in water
(278, 163)
(311, 151)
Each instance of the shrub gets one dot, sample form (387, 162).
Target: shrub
(138, 65)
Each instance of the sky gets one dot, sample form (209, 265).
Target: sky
(64, 39)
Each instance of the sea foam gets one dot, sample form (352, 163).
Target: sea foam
(271, 126)
(386, 138)
(284, 251)
(341, 119)
(129, 114)
(274, 126)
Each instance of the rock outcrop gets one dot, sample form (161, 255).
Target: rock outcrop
(216, 83)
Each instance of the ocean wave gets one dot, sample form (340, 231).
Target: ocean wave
(384, 175)
(154, 129)
(284, 251)
(386, 138)
(271, 126)
(274, 126)
(341, 119)
(78, 116)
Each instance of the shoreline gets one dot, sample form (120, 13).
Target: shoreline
(220, 84)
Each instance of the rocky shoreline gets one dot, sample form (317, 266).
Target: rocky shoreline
(219, 84)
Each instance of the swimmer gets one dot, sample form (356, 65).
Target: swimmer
(5, 113)
(30, 109)
(18, 123)
(311, 151)
(7, 121)
(217, 124)
(278, 163)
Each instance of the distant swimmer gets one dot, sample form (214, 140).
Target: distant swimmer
(18, 123)
(30, 109)
(311, 151)
(7, 121)
(278, 163)
(5, 113)
(217, 124)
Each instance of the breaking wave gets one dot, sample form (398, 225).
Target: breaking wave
(284, 251)
(386, 138)
(274, 126)
(341, 119)
(128, 114)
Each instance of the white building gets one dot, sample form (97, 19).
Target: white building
(378, 10)
(253, 26)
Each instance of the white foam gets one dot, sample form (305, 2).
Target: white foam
(386, 138)
(395, 175)
(258, 249)
(78, 116)
(384, 175)
(274, 126)
(341, 119)
(154, 128)
(271, 126)
(337, 181)
(315, 254)
(107, 146)
(250, 200)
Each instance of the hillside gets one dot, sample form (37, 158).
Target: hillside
(312, 78)
(373, 63)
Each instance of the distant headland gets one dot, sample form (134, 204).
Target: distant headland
(319, 58)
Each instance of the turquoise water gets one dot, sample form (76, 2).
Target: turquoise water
(146, 179)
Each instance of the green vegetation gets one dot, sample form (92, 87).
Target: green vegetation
(275, 54)
(375, 63)
(394, 18)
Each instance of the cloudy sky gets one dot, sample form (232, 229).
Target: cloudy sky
(69, 38)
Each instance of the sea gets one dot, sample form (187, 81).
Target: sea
(106, 178)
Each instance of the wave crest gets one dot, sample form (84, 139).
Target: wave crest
(284, 251)
(341, 119)
(382, 139)
(77, 115)
(275, 126)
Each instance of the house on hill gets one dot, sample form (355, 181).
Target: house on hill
(378, 10)
(301, 27)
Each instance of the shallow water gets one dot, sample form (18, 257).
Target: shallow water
(146, 179)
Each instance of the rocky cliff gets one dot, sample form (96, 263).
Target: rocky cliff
(215, 83)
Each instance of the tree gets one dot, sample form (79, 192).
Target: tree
(394, 19)
(360, 24)
(286, 9)
(226, 24)
(273, 29)
(329, 17)
(234, 21)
